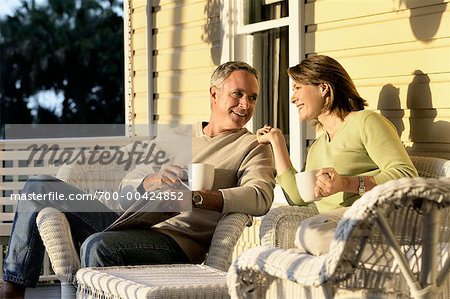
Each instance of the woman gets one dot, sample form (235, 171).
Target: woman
(358, 149)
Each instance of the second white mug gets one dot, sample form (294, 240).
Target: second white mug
(306, 185)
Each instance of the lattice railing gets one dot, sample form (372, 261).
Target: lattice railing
(19, 162)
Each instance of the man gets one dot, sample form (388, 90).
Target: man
(244, 181)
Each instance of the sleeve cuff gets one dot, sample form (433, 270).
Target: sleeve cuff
(287, 182)
(286, 175)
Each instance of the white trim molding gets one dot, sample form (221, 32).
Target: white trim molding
(238, 45)
(128, 68)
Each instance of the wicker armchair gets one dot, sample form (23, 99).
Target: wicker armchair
(279, 225)
(345, 272)
(54, 231)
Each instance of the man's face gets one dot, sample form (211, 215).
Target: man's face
(233, 104)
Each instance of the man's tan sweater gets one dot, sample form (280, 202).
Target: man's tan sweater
(244, 174)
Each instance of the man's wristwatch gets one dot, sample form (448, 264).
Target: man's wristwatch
(197, 199)
(362, 186)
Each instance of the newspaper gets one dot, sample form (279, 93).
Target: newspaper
(143, 214)
(139, 220)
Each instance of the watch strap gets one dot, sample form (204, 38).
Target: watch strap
(362, 186)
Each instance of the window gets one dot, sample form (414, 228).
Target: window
(268, 35)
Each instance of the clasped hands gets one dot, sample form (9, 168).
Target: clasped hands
(328, 182)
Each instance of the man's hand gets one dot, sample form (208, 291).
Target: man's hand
(169, 177)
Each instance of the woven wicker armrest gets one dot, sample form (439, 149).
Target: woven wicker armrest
(55, 232)
(255, 269)
(227, 233)
(279, 225)
(57, 238)
(431, 167)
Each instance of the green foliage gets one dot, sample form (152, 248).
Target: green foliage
(70, 46)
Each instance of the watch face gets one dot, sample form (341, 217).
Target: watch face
(198, 199)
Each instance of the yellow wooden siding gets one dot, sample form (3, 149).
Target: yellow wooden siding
(398, 53)
(165, 108)
(317, 12)
(185, 44)
(402, 61)
(180, 119)
(139, 39)
(394, 91)
(180, 36)
(179, 59)
(138, 3)
(375, 30)
(140, 82)
(183, 12)
(174, 81)
(139, 17)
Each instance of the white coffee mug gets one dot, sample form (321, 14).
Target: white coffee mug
(306, 184)
(201, 176)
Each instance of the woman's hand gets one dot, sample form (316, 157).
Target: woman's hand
(275, 137)
(328, 182)
(267, 135)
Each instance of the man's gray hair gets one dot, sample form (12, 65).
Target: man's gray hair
(224, 70)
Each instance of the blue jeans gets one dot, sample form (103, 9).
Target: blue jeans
(130, 247)
(25, 251)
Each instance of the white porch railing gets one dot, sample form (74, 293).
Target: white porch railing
(18, 162)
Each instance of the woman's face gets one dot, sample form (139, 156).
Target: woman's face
(308, 99)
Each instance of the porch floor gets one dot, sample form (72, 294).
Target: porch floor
(47, 291)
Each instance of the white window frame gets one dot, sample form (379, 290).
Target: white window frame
(237, 43)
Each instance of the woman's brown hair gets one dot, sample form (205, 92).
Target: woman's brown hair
(318, 69)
